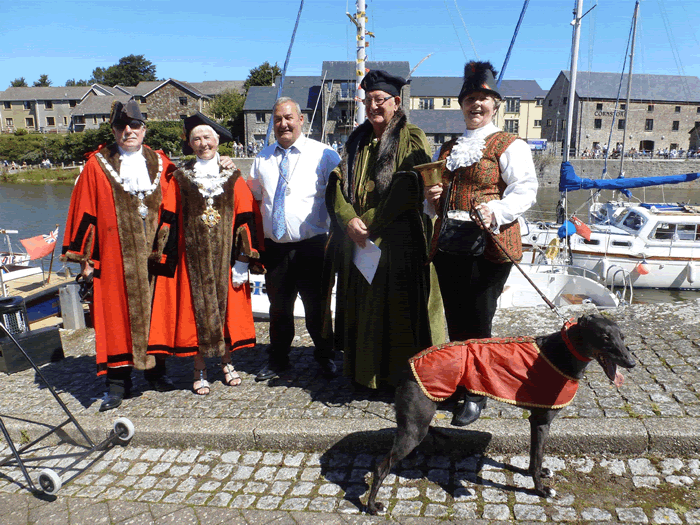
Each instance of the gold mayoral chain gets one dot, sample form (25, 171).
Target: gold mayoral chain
(141, 195)
(209, 187)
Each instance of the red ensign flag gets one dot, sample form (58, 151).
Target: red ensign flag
(41, 245)
(581, 228)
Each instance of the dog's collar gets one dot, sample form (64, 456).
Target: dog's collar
(565, 335)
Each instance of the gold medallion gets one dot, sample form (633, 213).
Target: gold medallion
(211, 217)
(369, 185)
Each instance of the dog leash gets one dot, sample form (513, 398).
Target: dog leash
(479, 219)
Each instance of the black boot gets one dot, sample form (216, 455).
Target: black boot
(156, 378)
(118, 387)
(469, 411)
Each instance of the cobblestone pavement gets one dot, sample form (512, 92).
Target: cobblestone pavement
(157, 479)
(139, 485)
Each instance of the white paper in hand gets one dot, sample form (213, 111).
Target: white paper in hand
(367, 259)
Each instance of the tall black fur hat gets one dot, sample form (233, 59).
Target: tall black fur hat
(126, 113)
(199, 119)
(479, 76)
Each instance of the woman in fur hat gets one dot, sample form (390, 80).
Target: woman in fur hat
(493, 169)
(373, 197)
(209, 236)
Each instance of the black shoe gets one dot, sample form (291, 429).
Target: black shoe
(469, 411)
(161, 384)
(329, 370)
(111, 401)
(271, 370)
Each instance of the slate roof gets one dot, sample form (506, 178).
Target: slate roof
(98, 105)
(345, 70)
(661, 88)
(45, 93)
(431, 121)
(262, 98)
(450, 87)
(212, 88)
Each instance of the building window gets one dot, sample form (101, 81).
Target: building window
(598, 123)
(48, 104)
(8, 105)
(565, 100)
(347, 90)
(674, 145)
(50, 121)
(183, 101)
(27, 104)
(72, 103)
(511, 126)
(446, 102)
(65, 121)
(29, 122)
(549, 122)
(623, 107)
(9, 122)
(426, 103)
(439, 139)
(539, 101)
(698, 110)
(260, 118)
(599, 106)
(79, 119)
(538, 123)
(143, 100)
(550, 103)
(94, 119)
(621, 124)
(678, 109)
(649, 125)
(512, 105)
(650, 107)
(675, 125)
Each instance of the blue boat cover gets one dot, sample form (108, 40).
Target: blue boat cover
(569, 181)
(566, 230)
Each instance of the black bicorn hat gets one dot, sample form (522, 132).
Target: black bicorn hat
(379, 80)
(479, 76)
(125, 113)
(199, 119)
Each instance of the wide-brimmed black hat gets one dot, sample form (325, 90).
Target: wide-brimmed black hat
(126, 113)
(379, 80)
(198, 119)
(479, 76)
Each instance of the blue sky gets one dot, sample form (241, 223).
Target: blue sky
(215, 40)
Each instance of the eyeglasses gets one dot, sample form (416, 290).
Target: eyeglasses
(134, 124)
(377, 101)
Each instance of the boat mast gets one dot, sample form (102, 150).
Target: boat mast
(576, 22)
(359, 19)
(629, 86)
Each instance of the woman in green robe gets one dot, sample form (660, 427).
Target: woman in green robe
(373, 196)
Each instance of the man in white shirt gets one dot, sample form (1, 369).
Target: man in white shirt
(288, 179)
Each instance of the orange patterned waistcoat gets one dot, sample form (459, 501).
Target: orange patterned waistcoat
(482, 181)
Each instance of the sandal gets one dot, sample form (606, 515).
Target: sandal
(231, 377)
(201, 385)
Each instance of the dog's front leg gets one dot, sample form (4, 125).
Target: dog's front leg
(540, 421)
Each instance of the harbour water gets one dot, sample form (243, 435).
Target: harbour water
(36, 209)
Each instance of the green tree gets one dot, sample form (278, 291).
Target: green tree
(227, 108)
(129, 71)
(18, 82)
(43, 81)
(71, 82)
(165, 135)
(263, 75)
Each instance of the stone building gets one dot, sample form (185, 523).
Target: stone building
(662, 110)
(167, 99)
(520, 113)
(43, 109)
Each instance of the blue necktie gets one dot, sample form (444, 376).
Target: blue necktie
(279, 226)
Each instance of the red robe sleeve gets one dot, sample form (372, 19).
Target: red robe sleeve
(80, 238)
(249, 238)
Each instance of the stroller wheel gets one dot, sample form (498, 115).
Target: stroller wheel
(49, 481)
(124, 429)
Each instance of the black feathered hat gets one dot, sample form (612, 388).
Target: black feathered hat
(479, 76)
(198, 119)
(125, 113)
(379, 80)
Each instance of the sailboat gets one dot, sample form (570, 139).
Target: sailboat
(645, 245)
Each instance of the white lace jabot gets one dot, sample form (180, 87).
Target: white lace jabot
(469, 147)
(133, 171)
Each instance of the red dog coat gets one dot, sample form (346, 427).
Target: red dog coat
(511, 370)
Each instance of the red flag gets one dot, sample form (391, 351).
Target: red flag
(582, 229)
(41, 245)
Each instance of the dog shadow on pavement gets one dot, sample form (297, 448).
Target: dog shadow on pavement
(455, 465)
